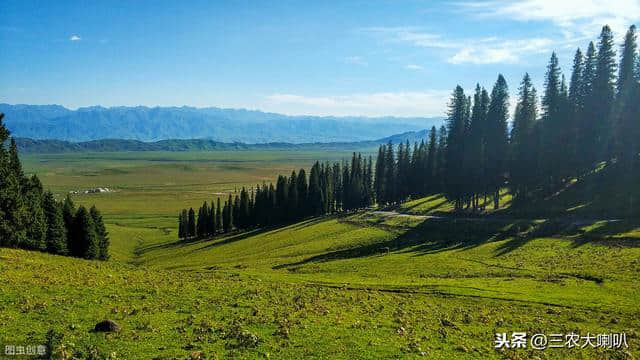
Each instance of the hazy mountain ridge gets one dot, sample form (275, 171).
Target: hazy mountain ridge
(221, 125)
(26, 145)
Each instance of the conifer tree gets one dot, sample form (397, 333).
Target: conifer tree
(244, 209)
(13, 213)
(85, 243)
(575, 109)
(315, 191)
(68, 214)
(390, 175)
(337, 187)
(191, 223)
(302, 192)
(523, 143)
(380, 176)
(56, 239)
(292, 197)
(552, 124)
(101, 233)
(440, 159)
(627, 114)
(587, 124)
(181, 230)
(430, 162)
(36, 223)
(219, 215)
(454, 152)
(497, 139)
(604, 93)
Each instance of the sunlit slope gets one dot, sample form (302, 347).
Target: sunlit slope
(593, 266)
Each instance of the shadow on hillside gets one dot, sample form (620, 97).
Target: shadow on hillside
(222, 239)
(431, 236)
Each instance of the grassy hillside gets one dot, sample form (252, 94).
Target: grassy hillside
(327, 288)
(400, 283)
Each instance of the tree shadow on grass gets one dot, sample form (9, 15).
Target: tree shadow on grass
(431, 236)
(227, 238)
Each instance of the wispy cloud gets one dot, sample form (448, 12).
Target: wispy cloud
(487, 50)
(497, 51)
(424, 103)
(75, 38)
(578, 19)
(356, 60)
(413, 67)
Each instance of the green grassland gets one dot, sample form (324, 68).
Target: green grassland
(362, 285)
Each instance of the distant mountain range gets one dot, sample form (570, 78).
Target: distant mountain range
(219, 125)
(31, 146)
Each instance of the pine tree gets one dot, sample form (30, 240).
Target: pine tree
(603, 94)
(523, 143)
(219, 215)
(101, 233)
(13, 212)
(380, 176)
(430, 171)
(181, 232)
(337, 187)
(36, 222)
(302, 192)
(56, 239)
(68, 214)
(553, 125)
(440, 159)
(474, 151)
(390, 175)
(244, 208)
(315, 191)
(575, 109)
(191, 223)
(587, 129)
(497, 139)
(454, 152)
(627, 118)
(292, 197)
(86, 243)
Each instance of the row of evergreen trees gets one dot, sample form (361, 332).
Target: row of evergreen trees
(31, 218)
(593, 119)
(329, 188)
(475, 154)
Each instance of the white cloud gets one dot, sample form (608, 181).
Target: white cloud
(75, 38)
(487, 50)
(410, 103)
(356, 60)
(413, 67)
(412, 35)
(494, 51)
(578, 19)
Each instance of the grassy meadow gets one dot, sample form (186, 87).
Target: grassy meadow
(370, 284)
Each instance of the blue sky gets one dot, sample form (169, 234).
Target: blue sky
(373, 57)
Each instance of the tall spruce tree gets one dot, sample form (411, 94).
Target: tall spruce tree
(497, 139)
(56, 239)
(101, 233)
(523, 143)
(604, 94)
(627, 108)
(191, 223)
(454, 176)
(431, 170)
(85, 243)
(68, 214)
(36, 223)
(219, 215)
